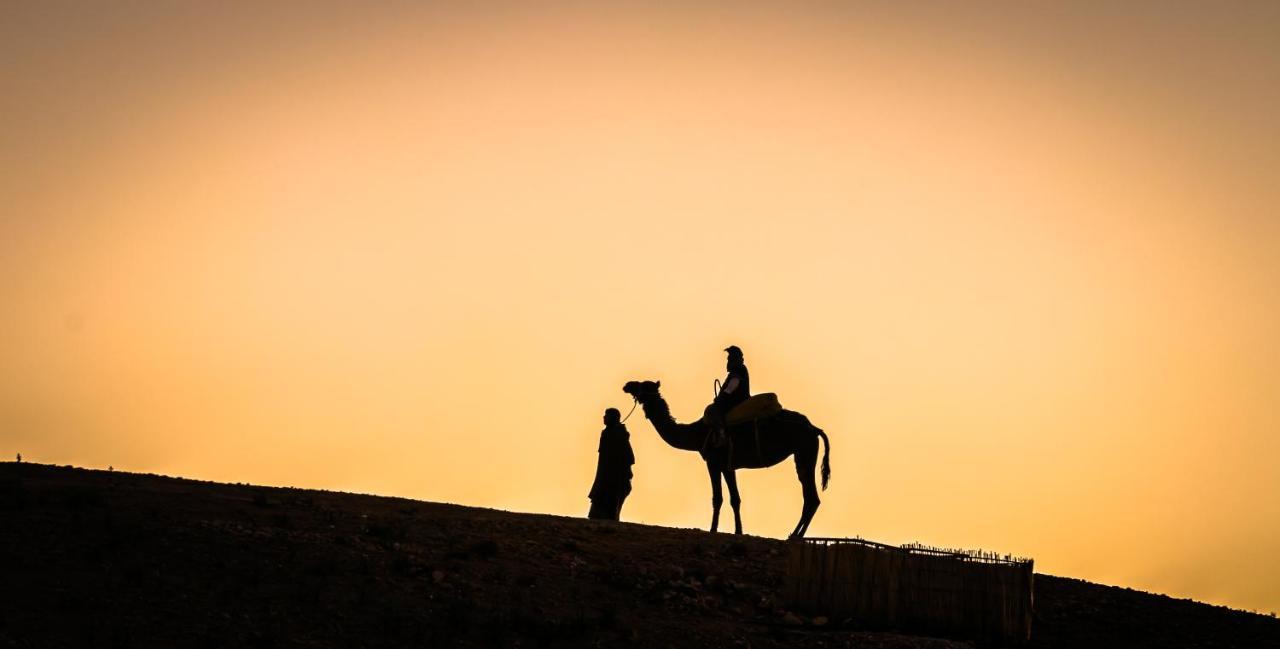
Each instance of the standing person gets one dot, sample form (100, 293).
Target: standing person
(735, 389)
(613, 469)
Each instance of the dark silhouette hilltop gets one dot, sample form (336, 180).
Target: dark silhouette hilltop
(755, 444)
(114, 559)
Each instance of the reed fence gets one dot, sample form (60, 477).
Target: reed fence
(914, 588)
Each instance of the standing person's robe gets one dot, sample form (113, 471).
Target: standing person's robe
(613, 473)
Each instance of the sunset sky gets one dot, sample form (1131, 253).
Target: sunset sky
(1021, 261)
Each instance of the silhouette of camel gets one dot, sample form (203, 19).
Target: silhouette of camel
(752, 445)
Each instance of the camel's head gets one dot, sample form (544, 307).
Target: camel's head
(642, 390)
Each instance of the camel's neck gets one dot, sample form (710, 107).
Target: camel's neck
(686, 437)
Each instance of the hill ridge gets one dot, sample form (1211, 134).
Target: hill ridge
(110, 558)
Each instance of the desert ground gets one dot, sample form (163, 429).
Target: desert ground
(113, 559)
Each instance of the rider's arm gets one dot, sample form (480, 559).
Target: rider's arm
(730, 385)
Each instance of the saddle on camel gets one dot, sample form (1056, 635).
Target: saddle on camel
(756, 407)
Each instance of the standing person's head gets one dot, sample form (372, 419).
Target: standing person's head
(612, 417)
(735, 357)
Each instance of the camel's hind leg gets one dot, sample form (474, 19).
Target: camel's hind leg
(806, 460)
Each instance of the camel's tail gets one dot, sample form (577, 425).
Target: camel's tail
(826, 458)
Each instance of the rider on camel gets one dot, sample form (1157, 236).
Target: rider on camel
(735, 389)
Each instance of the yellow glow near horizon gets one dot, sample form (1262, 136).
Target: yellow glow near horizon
(1020, 264)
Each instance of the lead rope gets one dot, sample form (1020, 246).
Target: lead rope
(634, 402)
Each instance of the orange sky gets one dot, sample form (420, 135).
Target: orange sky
(1019, 262)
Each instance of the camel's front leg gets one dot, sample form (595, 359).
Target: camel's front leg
(735, 501)
(716, 497)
